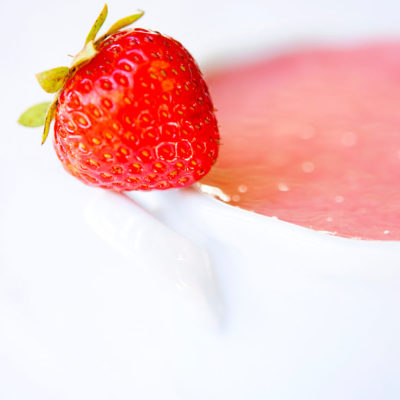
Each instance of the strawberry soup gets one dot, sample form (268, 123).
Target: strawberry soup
(313, 138)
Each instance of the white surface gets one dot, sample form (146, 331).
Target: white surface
(99, 299)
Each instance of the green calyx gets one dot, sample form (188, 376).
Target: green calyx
(34, 116)
(97, 25)
(54, 80)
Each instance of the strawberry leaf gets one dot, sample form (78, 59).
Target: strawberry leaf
(34, 116)
(97, 25)
(86, 54)
(49, 117)
(122, 23)
(52, 80)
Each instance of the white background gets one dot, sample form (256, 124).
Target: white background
(99, 299)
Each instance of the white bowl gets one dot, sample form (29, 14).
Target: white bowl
(304, 314)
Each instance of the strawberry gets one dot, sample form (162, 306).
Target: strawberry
(132, 113)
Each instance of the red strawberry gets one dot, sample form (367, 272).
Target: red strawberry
(134, 113)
